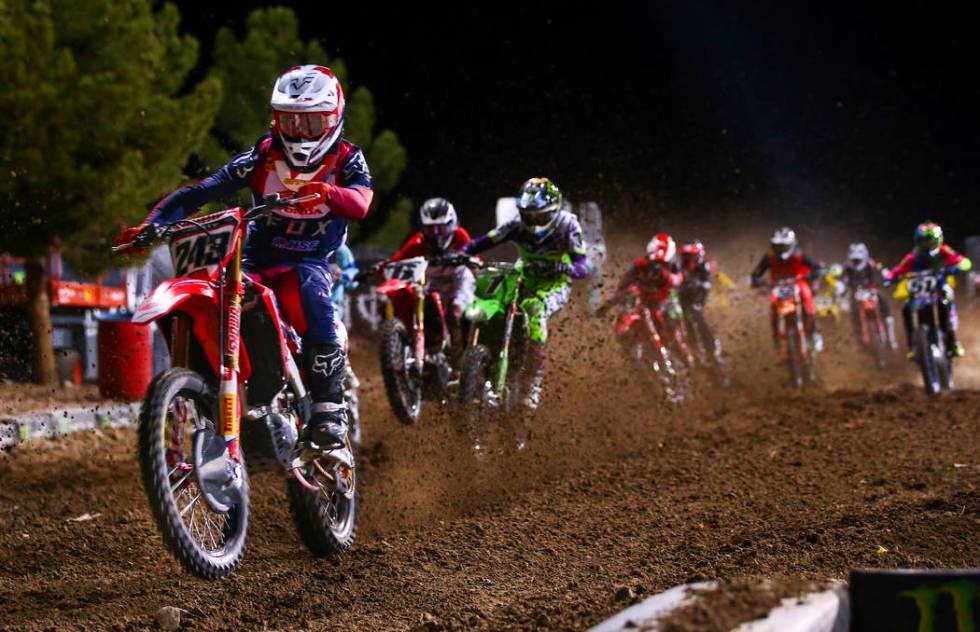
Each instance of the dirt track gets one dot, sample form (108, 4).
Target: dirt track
(616, 496)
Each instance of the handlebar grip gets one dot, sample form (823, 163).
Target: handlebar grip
(300, 200)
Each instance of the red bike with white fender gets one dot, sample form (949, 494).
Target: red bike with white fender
(639, 331)
(795, 346)
(234, 388)
(872, 329)
(415, 343)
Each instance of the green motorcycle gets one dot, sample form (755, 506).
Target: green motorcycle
(491, 368)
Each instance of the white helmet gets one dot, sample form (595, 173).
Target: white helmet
(308, 109)
(857, 255)
(438, 217)
(783, 242)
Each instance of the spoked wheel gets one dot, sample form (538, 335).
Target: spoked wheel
(926, 353)
(794, 358)
(403, 383)
(879, 345)
(203, 523)
(674, 378)
(944, 363)
(476, 398)
(326, 518)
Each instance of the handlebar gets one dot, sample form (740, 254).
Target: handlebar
(158, 233)
(458, 259)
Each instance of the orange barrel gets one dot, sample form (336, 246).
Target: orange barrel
(125, 357)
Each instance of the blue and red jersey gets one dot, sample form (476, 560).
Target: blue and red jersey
(945, 258)
(290, 235)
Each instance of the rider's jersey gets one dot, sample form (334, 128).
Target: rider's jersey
(945, 258)
(442, 276)
(416, 246)
(565, 240)
(287, 235)
(657, 283)
(860, 277)
(696, 280)
(796, 265)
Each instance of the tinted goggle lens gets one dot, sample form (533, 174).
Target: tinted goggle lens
(438, 230)
(305, 124)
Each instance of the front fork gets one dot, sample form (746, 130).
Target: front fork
(508, 335)
(229, 410)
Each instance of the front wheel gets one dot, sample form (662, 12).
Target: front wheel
(926, 355)
(879, 343)
(794, 358)
(475, 395)
(403, 383)
(180, 406)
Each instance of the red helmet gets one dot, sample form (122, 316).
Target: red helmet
(692, 251)
(308, 108)
(662, 249)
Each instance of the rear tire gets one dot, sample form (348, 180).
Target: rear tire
(404, 393)
(326, 520)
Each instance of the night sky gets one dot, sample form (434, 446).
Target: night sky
(818, 115)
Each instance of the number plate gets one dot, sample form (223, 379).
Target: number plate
(784, 292)
(923, 287)
(408, 270)
(862, 295)
(201, 251)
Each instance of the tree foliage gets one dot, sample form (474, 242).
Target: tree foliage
(247, 67)
(95, 124)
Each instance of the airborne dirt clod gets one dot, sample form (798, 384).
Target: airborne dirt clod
(616, 497)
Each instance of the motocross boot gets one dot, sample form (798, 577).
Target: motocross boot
(534, 375)
(325, 365)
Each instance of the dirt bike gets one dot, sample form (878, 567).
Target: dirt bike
(925, 291)
(638, 330)
(701, 338)
(873, 331)
(795, 345)
(234, 388)
(415, 341)
(491, 368)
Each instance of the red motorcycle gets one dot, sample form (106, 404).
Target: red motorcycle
(639, 331)
(873, 331)
(233, 359)
(415, 341)
(794, 343)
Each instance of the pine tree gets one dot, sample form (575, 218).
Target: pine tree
(96, 126)
(247, 69)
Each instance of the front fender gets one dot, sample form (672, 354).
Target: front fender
(165, 298)
(199, 300)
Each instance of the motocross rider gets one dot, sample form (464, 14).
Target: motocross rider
(343, 270)
(862, 271)
(693, 293)
(658, 277)
(549, 241)
(930, 253)
(442, 235)
(784, 260)
(288, 250)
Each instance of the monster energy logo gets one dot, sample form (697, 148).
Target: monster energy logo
(963, 593)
